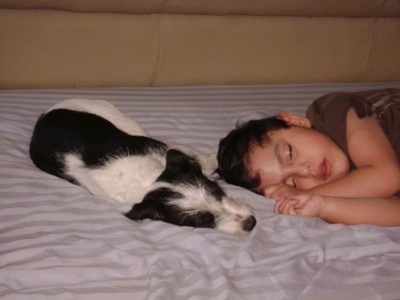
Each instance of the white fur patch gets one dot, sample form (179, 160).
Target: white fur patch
(126, 179)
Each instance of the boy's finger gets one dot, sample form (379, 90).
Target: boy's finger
(276, 208)
(292, 211)
(279, 206)
(285, 206)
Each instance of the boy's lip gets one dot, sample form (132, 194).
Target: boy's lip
(324, 169)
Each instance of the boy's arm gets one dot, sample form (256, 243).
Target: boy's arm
(378, 169)
(349, 211)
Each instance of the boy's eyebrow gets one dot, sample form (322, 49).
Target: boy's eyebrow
(278, 153)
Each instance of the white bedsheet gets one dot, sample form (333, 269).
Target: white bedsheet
(59, 242)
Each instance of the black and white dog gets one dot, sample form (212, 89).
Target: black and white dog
(92, 144)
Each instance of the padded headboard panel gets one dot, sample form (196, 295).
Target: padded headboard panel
(48, 44)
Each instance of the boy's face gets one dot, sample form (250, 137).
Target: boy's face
(299, 156)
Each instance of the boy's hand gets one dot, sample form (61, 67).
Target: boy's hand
(282, 189)
(301, 205)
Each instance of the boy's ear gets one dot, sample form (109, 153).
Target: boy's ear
(292, 119)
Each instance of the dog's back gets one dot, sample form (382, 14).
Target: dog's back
(80, 147)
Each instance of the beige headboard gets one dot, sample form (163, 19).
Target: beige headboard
(108, 43)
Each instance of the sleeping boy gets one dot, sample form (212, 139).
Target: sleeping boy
(341, 163)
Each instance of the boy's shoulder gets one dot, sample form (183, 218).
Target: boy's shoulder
(328, 114)
(338, 104)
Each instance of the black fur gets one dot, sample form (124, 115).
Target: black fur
(155, 206)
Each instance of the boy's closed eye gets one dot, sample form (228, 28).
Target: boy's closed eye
(291, 181)
(290, 152)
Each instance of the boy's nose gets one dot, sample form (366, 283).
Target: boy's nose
(302, 169)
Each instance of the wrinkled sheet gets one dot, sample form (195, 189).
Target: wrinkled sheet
(59, 242)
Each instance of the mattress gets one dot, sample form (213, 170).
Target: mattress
(59, 242)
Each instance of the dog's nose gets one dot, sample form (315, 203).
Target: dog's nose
(249, 223)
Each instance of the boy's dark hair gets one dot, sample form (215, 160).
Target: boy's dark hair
(234, 149)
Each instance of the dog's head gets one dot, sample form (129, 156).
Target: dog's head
(184, 196)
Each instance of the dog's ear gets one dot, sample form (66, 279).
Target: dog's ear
(146, 210)
(154, 205)
(179, 165)
(177, 160)
(180, 168)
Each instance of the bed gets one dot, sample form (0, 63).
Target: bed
(59, 242)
